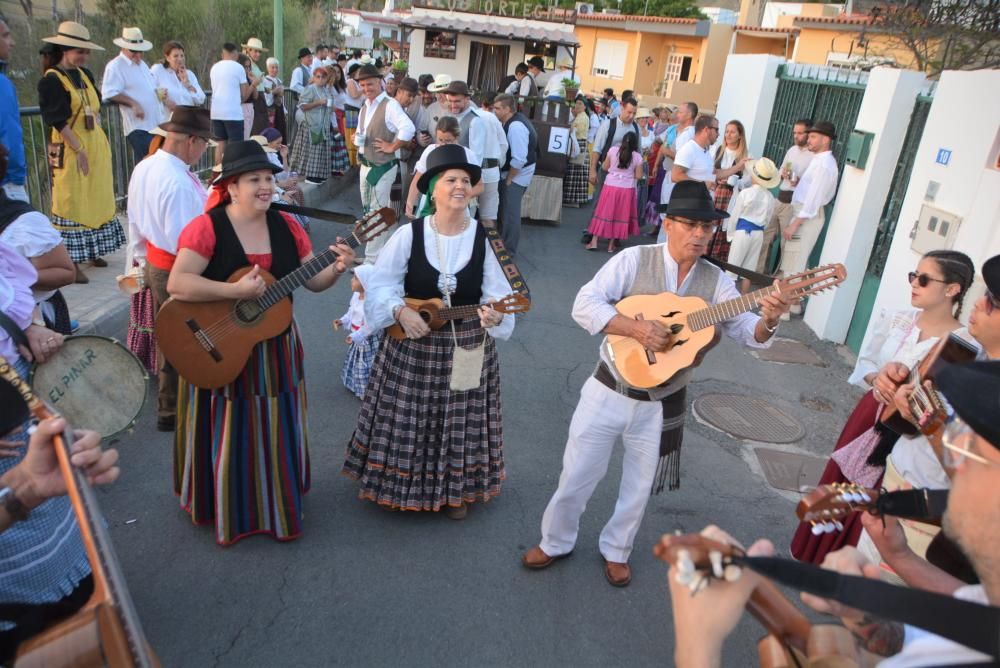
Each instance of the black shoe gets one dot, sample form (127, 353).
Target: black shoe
(315, 181)
(166, 423)
(585, 239)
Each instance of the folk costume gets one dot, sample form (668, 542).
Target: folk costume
(650, 423)
(311, 151)
(420, 445)
(365, 341)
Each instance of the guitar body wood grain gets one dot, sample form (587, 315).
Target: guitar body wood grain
(428, 310)
(688, 349)
(231, 338)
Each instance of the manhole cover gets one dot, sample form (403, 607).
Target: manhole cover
(748, 418)
(788, 351)
(789, 470)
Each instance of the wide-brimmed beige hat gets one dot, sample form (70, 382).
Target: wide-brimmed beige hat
(643, 112)
(132, 40)
(74, 36)
(254, 43)
(765, 173)
(565, 63)
(262, 140)
(366, 60)
(441, 81)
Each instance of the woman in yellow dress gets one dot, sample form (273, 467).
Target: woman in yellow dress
(83, 197)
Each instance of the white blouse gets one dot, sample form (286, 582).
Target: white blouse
(31, 234)
(385, 291)
(736, 181)
(178, 93)
(895, 338)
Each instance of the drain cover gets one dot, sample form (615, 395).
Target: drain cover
(749, 418)
(788, 351)
(789, 470)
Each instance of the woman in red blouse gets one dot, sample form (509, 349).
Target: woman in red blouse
(240, 453)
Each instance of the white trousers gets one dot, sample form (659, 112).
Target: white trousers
(796, 251)
(745, 249)
(376, 197)
(601, 417)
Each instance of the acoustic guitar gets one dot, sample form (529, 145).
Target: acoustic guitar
(209, 343)
(436, 314)
(825, 506)
(106, 630)
(791, 641)
(692, 322)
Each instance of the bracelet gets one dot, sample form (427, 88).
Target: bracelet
(396, 310)
(770, 330)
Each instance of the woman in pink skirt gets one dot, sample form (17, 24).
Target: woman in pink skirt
(616, 216)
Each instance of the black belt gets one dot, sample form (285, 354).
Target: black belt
(604, 376)
(490, 163)
(785, 196)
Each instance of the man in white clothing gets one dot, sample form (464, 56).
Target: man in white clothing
(687, 113)
(479, 134)
(129, 84)
(383, 128)
(163, 197)
(302, 72)
(797, 159)
(649, 422)
(230, 86)
(518, 168)
(814, 191)
(554, 87)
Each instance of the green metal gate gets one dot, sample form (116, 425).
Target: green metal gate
(887, 223)
(821, 94)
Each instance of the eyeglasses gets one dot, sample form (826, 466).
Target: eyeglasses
(957, 440)
(708, 227)
(922, 279)
(713, 127)
(992, 302)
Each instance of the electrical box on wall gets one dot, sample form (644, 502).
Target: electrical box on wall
(859, 145)
(935, 230)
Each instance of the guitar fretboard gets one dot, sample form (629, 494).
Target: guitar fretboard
(296, 279)
(717, 313)
(459, 312)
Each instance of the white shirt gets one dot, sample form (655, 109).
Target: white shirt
(31, 234)
(483, 141)
(501, 137)
(226, 77)
(163, 197)
(385, 290)
(817, 186)
(299, 80)
(894, 338)
(683, 137)
(595, 124)
(554, 85)
(923, 648)
(396, 120)
(518, 137)
(594, 305)
(121, 75)
(754, 204)
(737, 181)
(355, 318)
(697, 161)
(176, 91)
(799, 158)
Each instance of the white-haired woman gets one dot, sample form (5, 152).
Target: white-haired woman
(274, 96)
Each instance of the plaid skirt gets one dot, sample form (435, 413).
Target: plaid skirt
(358, 364)
(719, 248)
(351, 117)
(85, 244)
(309, 159)
(140, 329)
(575, 184)
(339, 161)
(418, 445)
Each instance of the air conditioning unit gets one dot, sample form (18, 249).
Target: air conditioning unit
(611, 11)
(584, 8)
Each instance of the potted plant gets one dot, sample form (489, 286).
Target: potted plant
(571, 87)
(399, 68)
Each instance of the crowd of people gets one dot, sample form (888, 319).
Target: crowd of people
(429, 433)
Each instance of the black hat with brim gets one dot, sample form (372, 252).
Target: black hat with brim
(537, 61)
(443, 158)
(973, 390)
(824, 128)
(244, 156)
(304, 51)
(991, 274)
(691, 200)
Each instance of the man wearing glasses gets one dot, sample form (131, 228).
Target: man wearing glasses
(649, 422)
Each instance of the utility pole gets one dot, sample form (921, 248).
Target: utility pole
(279, 35)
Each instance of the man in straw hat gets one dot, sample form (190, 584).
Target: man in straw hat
(383, 128)
(129, 84)
(163, 196)
(438, 108)
(649, 422)
(554, 87)
(253, 48)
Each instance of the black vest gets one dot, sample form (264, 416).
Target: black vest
(11, 209)
(230, 256)
(422, 278)
(609, 140)
(532, 140)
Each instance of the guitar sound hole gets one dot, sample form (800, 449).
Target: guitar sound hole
(248, 311)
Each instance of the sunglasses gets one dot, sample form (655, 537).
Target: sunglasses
(922, 279)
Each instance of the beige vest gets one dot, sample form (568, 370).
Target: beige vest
(377, 129)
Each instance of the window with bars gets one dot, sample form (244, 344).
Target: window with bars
(678, 68)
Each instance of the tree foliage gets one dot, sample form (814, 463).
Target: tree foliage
(681, 9)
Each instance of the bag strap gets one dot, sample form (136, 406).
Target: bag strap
(16, 333)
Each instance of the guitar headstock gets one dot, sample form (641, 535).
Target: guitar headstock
(827, 505)
(513, 303)
(696, 558)
(812, 281)
(373, 224)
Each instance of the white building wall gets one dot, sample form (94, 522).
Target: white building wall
(965, 119)
(749, 86)
(459, 67)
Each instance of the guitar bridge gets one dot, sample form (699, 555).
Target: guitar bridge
(650, 355)
(203, 339)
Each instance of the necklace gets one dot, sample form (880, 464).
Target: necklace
(447, 281)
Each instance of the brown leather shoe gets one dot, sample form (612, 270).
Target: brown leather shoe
(99, 262)
(80, 276)
(618, 574)
(536, 559)
(457, 512)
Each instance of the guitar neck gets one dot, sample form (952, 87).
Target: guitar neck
(296, 279)
(779, 616)
(722, 311)
(458, 312)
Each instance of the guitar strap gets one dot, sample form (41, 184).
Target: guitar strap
(743, 272)
(312, 212)
(510, 270)
(16, 333)
(970, 624)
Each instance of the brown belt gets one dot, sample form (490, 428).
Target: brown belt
(604, 376)
(785, 196)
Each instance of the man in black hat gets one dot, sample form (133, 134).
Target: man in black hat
(815, 189)
(302, 72)
(649, 422)
(163, 197)
(536, 68)
(408, 96)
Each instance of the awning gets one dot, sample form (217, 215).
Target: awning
(495, 26)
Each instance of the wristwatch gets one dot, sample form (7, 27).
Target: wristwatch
(38, 321)
(17, 510)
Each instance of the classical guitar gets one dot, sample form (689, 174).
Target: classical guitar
(692, 322)
(209, 343)
(923, 400)
(826, 505)
(436, 314)
(791, 640)
(106, 630)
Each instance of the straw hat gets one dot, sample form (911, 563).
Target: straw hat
(441, 81)
(366, 60)
(132, 40)
(74, 36)
(643, 112)
(254, 43)
(260, 139)
(765, 173)
(565, 63)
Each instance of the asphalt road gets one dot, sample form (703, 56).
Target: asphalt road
(364, 587)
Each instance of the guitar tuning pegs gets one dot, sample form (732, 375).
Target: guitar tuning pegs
(817, 529)
(684, 578)
(838, 525)
(732, 573)
(715, 557)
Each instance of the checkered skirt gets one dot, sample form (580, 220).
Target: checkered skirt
(309, 159)
(357, 367)
(575, 184)
(719, 248)
(141, 317)
(85, 244)
(418, 445)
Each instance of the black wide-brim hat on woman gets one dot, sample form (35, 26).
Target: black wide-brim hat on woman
(244, 156)
(443, 158)
(691, 200)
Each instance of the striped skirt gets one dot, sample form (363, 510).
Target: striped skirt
(418, 445)
(719, 248)
(84, 243)
(308, 159)
(139, 340)
(575, 183)
(357, 367)
(241, 456)
(351, 116)
(339, 161)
